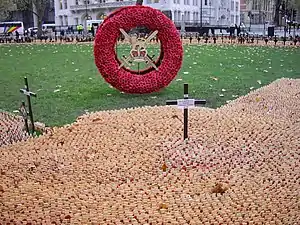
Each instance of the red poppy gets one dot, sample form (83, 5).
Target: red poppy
(149, 80)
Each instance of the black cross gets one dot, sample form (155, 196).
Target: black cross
(28, 93)
(186, 102)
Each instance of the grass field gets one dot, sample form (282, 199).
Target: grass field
(67, 82)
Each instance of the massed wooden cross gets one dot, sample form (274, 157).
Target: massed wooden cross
(185, 103)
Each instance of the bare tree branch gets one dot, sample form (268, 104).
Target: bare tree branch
(37, 7)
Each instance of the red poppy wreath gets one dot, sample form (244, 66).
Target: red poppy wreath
(161, 72)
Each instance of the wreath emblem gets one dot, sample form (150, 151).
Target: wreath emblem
(115, 71)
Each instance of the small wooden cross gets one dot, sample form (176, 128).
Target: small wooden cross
(185, 103)
(29, 94)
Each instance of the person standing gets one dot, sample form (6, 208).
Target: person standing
(17, 36)
(215, 39)
(89, 28)
(79, 29)
(93, 31)
(275, 40)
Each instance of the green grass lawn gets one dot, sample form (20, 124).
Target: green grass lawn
(71, 70)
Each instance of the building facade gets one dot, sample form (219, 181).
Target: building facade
(206, 12)
(257, 12)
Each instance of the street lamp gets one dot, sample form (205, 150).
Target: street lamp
(251, 16)
(182, 27)
(86, 2)
(264, 17)
(283, 10)
(87, 17)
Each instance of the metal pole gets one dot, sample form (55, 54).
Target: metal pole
(86, 11)
(209, 13)
(285, 28)
(86, 16)
(201, 1)
(29, 104)
(250, 23)
(185, 113)
(294, 30)
(264, 16)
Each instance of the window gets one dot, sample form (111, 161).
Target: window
(66, 20)
(76, 2)
(61, 20)
(232, 5)
(205, 2)
(256, 19)
(179, 15)
(66, 4)
(76, 20)
(237, 6)
(255, 5)
(242, 18)
(60, 4)
(237, 20)
(232, 19)
(156, 1)
(187, 16)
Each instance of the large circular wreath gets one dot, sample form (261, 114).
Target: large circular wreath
(167, 65)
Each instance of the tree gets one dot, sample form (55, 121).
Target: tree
(279, 6)
(6, 7)
(285, 7)
(37, 7)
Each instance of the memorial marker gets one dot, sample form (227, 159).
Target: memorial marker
(186, 102)
(29, 94)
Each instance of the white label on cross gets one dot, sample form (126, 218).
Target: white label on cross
(26, 92)
(185, 103)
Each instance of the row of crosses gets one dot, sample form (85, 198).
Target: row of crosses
(184, 103)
